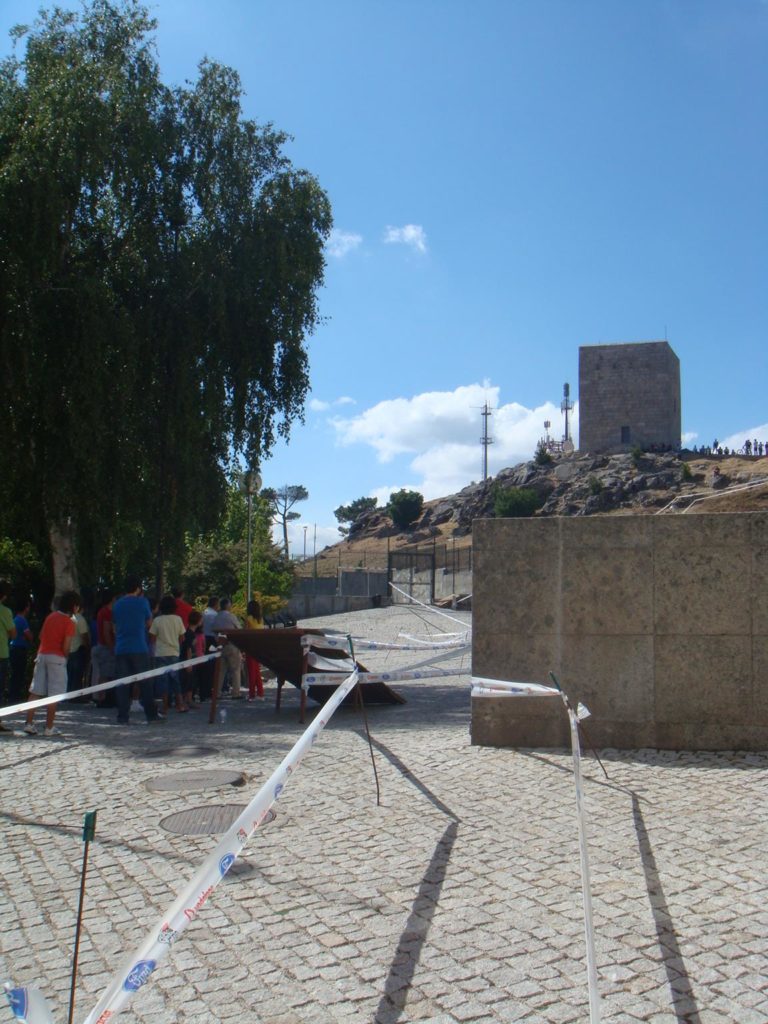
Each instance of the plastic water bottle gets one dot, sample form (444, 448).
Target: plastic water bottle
(223, 716)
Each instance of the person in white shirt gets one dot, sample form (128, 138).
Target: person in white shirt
(231, 655)
(168, 631)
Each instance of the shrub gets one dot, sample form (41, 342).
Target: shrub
(595, 485)
(515, 502)
(543, 456)
(405, 507)
(686, 472)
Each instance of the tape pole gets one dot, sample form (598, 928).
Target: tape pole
(138, 968)
(586, 882)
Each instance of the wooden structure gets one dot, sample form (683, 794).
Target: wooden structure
(282, 652)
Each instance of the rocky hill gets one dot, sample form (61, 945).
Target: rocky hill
(571, 485)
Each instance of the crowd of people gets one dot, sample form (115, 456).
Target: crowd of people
(752, 449)
(127, 635)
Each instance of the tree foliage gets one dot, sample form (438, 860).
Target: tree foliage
(352, 512)
(515, 502)
(216, 563)
(405, 507)
(160, 263)
(542, 456)
(281, 500)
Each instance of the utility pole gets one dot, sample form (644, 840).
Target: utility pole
(486, 440)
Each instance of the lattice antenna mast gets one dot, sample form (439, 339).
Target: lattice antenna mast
(486, 439)
(565, 407)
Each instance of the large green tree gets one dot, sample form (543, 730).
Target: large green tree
(352, 512)
(160, 265)
(281, 500)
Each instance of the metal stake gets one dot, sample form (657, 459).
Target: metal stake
(89, 831)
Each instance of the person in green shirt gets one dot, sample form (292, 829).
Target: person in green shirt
(7, 632)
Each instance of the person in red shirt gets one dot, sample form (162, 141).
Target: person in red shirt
(103, 655)
(182, 608)
(50, 676)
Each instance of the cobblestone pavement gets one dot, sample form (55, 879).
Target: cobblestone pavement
(458, 899)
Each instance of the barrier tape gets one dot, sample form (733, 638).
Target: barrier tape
(499, 688)
(461, 639)
(333, 643)
(317, 661)
(138, 968)
(41, 702)
(429, 607)
(487, 691)
(333, 678)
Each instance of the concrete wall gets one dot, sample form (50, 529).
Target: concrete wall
(307, 606)
(363, 582)
(659, 624)
(636, 386)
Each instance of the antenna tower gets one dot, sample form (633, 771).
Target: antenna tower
(565, 407)
(485, 440)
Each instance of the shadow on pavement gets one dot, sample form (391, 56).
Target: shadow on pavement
(408, 953)
(683, 1003)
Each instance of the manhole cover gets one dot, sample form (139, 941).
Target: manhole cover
(205, 821)
(189, 782)
(178, 753)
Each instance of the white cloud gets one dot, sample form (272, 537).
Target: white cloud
(410, 234)
(751, 433)
(401, 425)
(442, 430)
(688, 437)
(319, 405)
(342, 242)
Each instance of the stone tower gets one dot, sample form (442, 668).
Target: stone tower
(629, 396)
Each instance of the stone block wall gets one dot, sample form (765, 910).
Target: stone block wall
(659, 624)
(634, 387)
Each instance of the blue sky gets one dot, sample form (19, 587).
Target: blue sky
(510, 179)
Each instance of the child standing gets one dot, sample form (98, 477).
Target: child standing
(193, 646)
(254, 620)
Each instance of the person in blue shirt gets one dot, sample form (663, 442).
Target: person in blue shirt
(19, 650)
(131, 618)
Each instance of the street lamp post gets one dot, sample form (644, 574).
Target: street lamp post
(305, 542)
(251, 484)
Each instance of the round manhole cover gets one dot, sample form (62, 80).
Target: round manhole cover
(205, 821)
(189, 782)
(178, 753)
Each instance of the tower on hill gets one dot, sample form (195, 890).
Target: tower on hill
(629, 396)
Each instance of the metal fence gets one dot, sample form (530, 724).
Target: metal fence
(446, 555)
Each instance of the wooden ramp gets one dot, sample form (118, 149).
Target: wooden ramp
(281, 651)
